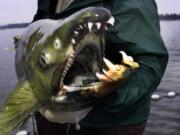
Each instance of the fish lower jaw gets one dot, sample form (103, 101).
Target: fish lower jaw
(83, 91)
(64, 117)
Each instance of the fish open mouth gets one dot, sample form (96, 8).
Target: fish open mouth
(82, 64)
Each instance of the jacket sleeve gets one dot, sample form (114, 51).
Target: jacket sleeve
(45, 9)
(137, 32)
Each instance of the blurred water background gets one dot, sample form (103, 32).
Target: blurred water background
(165, 113)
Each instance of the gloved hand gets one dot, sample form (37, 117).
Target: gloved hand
(115, 76)
(111, 79)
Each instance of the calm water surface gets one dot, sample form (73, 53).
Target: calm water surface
(165, 113)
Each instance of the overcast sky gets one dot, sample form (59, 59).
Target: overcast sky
(168, 6)
(15, 11)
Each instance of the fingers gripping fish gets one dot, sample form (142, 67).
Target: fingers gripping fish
(60, 66)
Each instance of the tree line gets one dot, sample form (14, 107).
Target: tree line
(12, 26)
(169, 16)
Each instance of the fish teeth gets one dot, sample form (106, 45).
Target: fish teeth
(22, 132)
(125, 57)
(106, 28)
(105, 72)
(73, 41)
(76, 32)
(72, 54)
(98, 25)
(90, 25)
(130, 58)
(70, 60)
(84, 25)
(60, 98)
(66, 69)
(71, 88)
(63, 74)
(109, 64)
(111, 21)
(100, 76)
(81, 27)
(68, 65)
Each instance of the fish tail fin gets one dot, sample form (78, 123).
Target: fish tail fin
(17, 107)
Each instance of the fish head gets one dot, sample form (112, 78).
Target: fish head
(70, 55)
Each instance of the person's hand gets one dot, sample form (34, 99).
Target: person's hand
(115, 76)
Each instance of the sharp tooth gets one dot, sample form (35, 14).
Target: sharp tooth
(72, 55)
(105, 72)
(84, 25)
(71, 88)
(124, 56)
(130, 58)
(111, 21)
(81, 26)
(65, 70)
(98, 25)
(106, 28)
(100, 76)
(68, 65)
(90, 25)
(76, 32)
(109, 64)
(70, 60)
(60, 98)
(73, 41)
(64, 73)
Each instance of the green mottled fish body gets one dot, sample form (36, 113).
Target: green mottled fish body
(45, 54)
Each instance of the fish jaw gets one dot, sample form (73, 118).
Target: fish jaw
(50, 50)
(84, 28)
(86, 35)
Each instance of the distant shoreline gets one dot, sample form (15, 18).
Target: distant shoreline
(169, 17)
(13, 26)
(162, 17)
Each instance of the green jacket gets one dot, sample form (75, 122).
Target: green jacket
(137, 32)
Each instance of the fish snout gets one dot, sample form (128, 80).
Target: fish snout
(96, 14)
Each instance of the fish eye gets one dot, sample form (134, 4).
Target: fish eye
(57, 44)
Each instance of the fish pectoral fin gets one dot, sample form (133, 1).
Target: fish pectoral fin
(17, 107)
